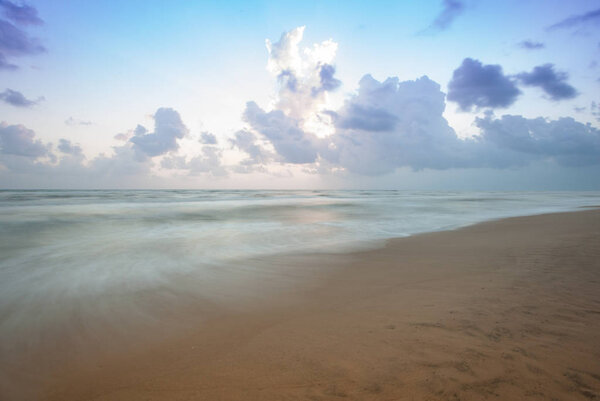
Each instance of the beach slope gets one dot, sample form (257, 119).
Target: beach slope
(506, 310)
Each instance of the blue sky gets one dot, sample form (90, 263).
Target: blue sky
(109, 66)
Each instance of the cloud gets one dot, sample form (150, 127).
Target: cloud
(531, 45)
(207, 138)
(208, 161)
(72, 122)
(15, 98)
(328, 81)
(392, 124)
(67, 147)
(21, 15)
(595, 110)
(383, 127)
(550, 81)
(247, 142)
(168, 127)
(289, 140)
(566, 141)
(305, 74)
(14, 41)
(451, 10)
(20, 141)
(5, 65)
(576, 20)
(475, 84)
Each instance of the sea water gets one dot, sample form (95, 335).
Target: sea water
(73, 255)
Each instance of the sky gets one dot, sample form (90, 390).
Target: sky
(427, 95)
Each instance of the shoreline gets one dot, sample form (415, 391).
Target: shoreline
(505, 308)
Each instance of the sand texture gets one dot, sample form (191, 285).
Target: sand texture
(504, 310)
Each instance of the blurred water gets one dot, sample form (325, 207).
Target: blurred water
(87, 241)
(88, 259)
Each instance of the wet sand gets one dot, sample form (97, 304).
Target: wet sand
(505, 310)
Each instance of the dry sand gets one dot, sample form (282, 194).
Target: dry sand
(505, 310)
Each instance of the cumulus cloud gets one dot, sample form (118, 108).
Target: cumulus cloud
(207, 138)
(14, 41)
(531, 45)
(284, 132)
(382, 127)
(247, 142)
(17, 99)
(565, 140)
(305, 74)
(476, 85)
(328, 81)
(69, 148)
(20, 141)
(168, 128)
(208, 161)
(577, 20)
(450, 11)
(554, 83)
(392, 124)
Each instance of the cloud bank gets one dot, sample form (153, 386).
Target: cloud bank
(383, 126)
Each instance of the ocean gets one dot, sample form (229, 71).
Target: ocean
(78, 255)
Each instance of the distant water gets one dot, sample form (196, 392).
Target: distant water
(58, 248)
(99, 238)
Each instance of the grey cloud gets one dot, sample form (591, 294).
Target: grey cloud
(576, 20)
(288, 139)
(20, 141)
(406, 129)
(475, 84)
(174, 163)
(365, 118)
(565, 140)
(595, 110)
(207, 138)
(246, 141)
(288, 80)
(391, 124)
(20, 14)
(451, 10)
(550, 81)
(168, 127)
(14, 41)
(531, 45)
(124, 162)
(15, 98)
(67, 147)
(328, 81)
(208, 161)
(121, 137)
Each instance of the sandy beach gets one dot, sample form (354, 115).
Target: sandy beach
(503, 310)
